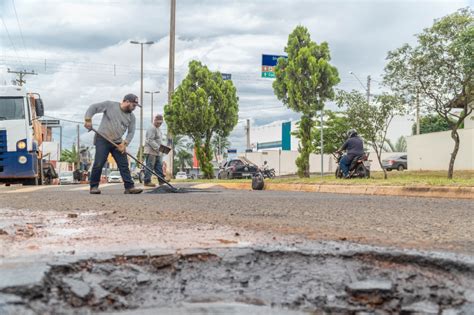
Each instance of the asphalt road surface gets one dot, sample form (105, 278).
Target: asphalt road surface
(51, 219)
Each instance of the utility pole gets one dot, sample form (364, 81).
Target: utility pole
(21, 75)
(368, 89)
(247, 131)
(171, 79)
(152, 92)
(322, 144)
(417, 113)
(140, 150)
(140, 146)
(78, 149)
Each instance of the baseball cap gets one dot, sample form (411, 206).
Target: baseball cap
(132, 98)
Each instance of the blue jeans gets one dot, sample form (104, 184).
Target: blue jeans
(102, 150)
(155, 163)
(344, 164)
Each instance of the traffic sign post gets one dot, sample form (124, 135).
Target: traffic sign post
(268, 65)
(226, 76)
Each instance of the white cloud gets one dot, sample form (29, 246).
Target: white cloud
(82, 41)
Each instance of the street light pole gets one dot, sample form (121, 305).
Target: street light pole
(171, 80)
(141, 93)
(367, 89)
(152, 92)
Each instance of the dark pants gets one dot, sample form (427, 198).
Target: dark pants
(155, 163)
(345, 163)
(102, 150)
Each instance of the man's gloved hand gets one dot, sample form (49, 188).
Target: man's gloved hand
(122, 147)
(88, 124)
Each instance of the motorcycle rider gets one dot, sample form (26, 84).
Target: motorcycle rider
(354, 147)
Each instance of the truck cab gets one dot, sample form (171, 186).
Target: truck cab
(20, 136)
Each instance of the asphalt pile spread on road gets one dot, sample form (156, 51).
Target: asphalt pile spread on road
(250, 281)
(165, 189)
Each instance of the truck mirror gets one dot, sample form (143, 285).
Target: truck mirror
(39, 107)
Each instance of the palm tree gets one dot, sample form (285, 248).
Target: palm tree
(400, 145)
(183, 159)
(70, 156)
(182, 152)
(219, 144)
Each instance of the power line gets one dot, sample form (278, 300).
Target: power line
(11, 41)
(19, 27)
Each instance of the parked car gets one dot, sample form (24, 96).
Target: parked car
(395, 162)
(67, 178)
(238, 168)
(114, 177)
(181, 176)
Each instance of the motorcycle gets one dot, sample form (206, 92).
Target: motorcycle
(359, 168)
(268, 173)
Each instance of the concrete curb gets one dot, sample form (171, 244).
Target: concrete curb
(405, 191)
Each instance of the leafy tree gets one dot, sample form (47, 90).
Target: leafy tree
(371, 120)
(336, 125)
(440, 70)
(303, 83)
(70, 156)
(202, 106)
(431, 123)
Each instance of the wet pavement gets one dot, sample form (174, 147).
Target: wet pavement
(234, 252)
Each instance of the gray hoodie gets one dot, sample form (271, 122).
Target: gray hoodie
(115, 121)
(153, 140)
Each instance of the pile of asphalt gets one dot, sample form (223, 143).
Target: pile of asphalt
(165, 189)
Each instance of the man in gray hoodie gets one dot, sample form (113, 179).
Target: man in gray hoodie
(153, 157)
(118, 118)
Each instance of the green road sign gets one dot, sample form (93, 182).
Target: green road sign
(268, 74)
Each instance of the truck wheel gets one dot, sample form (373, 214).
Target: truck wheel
(401, 167)
(38, 180)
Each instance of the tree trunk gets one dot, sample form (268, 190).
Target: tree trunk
(379, 158)
(302, 162)
(455, 136)
(204, 161)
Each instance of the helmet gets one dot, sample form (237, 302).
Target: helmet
(351, 133)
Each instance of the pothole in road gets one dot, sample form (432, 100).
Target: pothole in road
(245, 281)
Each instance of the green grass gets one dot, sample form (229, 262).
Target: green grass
(395, 178)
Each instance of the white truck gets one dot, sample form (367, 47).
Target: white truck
(21, 136)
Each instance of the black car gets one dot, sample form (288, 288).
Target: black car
(237, 168)
(395, 162)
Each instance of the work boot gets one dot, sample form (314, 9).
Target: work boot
(133, 190)
(150, 184)
(94, 191)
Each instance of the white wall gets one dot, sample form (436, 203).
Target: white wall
(52, 148)
(272, 132)
(284, 161)
(432, 151)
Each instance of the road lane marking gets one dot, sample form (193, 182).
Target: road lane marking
(87, 187)
(203, 186)
(29, 189)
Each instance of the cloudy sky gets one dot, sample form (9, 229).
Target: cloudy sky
(81, 51)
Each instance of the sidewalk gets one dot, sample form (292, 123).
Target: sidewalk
(405, 191)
